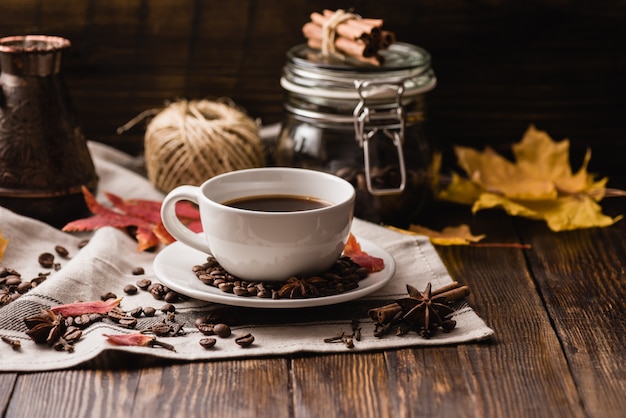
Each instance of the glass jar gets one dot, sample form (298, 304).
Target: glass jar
(362, 123)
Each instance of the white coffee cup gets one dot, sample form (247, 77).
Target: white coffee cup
(265, 245)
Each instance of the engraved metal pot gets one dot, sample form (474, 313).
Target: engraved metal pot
(44, 159)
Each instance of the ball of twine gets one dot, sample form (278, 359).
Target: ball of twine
(189, 142)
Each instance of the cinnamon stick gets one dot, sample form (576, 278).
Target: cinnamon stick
(311, 31)
(367, 23)
(342, 29)
(375, 60)
(356, 37)
(452, 291)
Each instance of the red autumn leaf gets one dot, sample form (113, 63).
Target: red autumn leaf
(137, 339)
(104, 216)
(144, 216)
(134, 339)
(148, 210)
(82, 308)
(363, 259)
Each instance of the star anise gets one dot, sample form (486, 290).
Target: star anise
(424, 312)
(47, 327)
(297, 287)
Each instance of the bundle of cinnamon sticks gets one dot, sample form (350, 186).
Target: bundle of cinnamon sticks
(335, 32)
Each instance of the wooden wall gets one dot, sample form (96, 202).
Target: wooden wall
(501, 64)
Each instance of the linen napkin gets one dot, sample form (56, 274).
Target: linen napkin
(106, 265)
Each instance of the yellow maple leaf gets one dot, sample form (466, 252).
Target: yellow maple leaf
(539, 185)
(451, 235)
(3, 245)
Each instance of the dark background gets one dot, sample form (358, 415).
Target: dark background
(501, 64)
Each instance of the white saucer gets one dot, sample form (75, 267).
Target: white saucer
(172, 266)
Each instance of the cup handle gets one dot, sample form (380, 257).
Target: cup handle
(174, 226)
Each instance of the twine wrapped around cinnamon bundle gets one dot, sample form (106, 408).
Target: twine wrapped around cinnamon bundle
(340, 32)
(189, 142)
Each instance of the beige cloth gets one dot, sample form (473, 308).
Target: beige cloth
(106, 264)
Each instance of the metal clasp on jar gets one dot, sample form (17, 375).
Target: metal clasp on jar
(369, 120)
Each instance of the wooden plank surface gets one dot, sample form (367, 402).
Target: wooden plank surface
(524, 363)
(584, 288)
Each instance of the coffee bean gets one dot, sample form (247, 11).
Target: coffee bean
(108, 295)
(130, 289)
(128, 322)
(143, 284)
(12, 280)
(149, 311)
(46, 260)
(136, 313)
(24, 287)
(61, 251)
(207, 342)
(222, 330)
(138, 271)
(205, 328)
(170, 297)
(245, 340)
(83, 243)
(168, 307)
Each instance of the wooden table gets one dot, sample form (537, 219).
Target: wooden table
(558, 311)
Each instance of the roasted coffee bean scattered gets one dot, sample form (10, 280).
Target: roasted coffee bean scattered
(171, 297)
(143, 284)
(36, 281)
(122, 318)
(222, 330)
(61, 251)
(208, 342)
(72, 334)
(343, 276)
(136, 313)
(46, 260)
(245, 340)
(130, 289)
(83, 243)
(168, 307)
(157, 290)
(108, 295)
(138, 271)
(149, 311)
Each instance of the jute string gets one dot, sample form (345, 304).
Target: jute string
(329, 31)
(189, 142)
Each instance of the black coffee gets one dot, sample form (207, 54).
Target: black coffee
(277, 203)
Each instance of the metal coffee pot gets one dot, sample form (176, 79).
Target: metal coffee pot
(44, 159)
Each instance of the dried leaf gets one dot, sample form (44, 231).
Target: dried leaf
(81, 308)
(142, 217)
(353, 250)
(539, 185)
(137, 339)
(3, 245)
(452, 235)
(148, 210)
(456, 235)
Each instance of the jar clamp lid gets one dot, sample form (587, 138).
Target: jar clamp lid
(376, 94)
